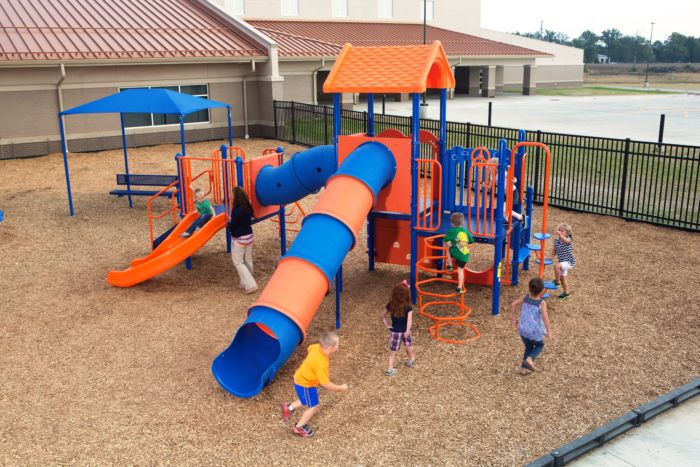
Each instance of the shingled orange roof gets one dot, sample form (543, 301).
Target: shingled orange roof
(117, 29)
(303, 38)
(402, 69)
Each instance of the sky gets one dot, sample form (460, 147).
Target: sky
(629, 16)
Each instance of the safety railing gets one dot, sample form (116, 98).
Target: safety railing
(429, 196)
(481, 199)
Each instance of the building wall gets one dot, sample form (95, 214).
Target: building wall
(449, 14)
(31, 126)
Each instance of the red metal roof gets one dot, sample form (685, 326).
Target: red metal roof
(116, 29)
(326, 38)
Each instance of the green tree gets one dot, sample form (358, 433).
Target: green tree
(611, 39)
(675, 49)
(588, 41)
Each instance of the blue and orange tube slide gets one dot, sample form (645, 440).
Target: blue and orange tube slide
(278, 321)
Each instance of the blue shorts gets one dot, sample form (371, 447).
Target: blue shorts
(307, 396)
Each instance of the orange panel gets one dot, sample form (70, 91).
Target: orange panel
(397, 196)
(350, 210)
(296, 289)
(398, 69)
(393, 241)
(255, 166)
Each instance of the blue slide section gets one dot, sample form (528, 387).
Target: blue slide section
(305, 173)
(267, 338)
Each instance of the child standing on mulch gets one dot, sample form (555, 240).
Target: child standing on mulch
(399, 308)
(532, 323)
(458, 239)
(312, 373)
(563, 249)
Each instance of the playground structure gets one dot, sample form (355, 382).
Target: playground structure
(382, 180)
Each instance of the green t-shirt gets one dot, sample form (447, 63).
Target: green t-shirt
(460, 239)
(204, 207)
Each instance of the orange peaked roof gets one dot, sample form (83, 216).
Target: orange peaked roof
(399, 69)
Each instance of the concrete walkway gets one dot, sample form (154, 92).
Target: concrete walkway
(634, 116)
(671, 439)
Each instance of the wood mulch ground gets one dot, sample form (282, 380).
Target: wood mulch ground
(93, 374)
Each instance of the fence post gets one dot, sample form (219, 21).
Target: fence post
(364, 118)
(623, 185)
(325, 125)
(274, 113)
(469, 134)
(294, 124)
(537, 166)
(662, 123)
(490, 109)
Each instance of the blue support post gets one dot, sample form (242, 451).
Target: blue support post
(370, 114)
(443, 141)
(499, 241)
(181, 192)
(528, 211)
(336, 120)
(64, 148)
(415, 154)
(227, 182)
(230, 127)
(515, 246)
(126, 159)
(338, 291)
(182, 135)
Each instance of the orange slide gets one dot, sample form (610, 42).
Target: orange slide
(171, 252)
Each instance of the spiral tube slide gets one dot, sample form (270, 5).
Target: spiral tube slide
(278, 321)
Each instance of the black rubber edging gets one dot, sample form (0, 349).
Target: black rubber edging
(632, 419)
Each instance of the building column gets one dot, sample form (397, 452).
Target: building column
(403, 97)
(529, 80)
(474, 81)
(488, 81)
(347, 100)
(499, 78)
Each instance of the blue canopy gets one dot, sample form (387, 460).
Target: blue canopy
(140, 100)
(146, 100)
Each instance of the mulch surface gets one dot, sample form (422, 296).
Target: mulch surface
(93, 374)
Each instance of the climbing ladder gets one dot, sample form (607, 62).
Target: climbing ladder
(432, 256)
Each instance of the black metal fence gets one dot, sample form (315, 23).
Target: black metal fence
(657, 183)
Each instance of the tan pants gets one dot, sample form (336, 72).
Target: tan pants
(242, 256)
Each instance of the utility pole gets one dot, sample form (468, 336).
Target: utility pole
(651, 51)
(541, 29)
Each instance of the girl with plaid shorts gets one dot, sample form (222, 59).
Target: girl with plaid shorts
(399, 308)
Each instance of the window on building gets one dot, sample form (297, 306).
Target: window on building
(132, 120)
(235, 7)
(290, 7)
(386, 8)
(339, 8)
(428, 6)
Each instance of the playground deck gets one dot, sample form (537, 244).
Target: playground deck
(98, 375)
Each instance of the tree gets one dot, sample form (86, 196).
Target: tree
(588, 41)
(611, 39)
(675, 49)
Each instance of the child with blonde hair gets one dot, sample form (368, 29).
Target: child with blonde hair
(314, 371)
(563, 249)
(401, 313)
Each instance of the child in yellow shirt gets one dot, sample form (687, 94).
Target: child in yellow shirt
(312, 373)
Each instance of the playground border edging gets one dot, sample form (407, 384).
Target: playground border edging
(632, 419)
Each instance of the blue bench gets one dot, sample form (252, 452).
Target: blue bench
(143, 180)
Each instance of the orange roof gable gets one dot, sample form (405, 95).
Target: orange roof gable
(400, 69)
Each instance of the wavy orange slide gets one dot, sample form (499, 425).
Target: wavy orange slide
(176, 252)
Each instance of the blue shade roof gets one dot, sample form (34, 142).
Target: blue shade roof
(153, 100)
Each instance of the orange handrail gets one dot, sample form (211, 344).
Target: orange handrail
(173, 208)
(426, 195)
(484, 174)
(297, 211)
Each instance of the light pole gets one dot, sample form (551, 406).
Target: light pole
(651, 51)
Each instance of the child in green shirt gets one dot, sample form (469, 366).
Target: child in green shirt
(458, 239)
(206, 212)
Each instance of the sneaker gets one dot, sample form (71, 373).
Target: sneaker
(185, 235)
(525, 371)
(555, 282)
(252, 289)
(460, 290)
(304, 431)
(411, 363)
(564, 296)
(450, 267)
(391, 372)
(286, 412)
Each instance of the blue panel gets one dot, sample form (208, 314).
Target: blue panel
(534, 246)
(541, 236)
(547, 261)
(306, 172)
